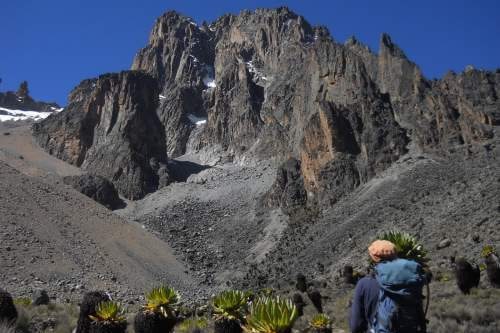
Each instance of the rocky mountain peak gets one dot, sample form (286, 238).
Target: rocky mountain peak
(265, 84)
(387, 46)
(110, 128)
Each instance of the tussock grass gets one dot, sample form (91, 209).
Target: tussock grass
(55, 318)
(7, 328)
(452, 311)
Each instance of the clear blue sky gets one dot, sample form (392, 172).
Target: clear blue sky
(54, 44)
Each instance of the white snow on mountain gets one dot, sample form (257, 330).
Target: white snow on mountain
(15, 115)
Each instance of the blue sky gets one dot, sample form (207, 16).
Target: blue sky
(54, 44)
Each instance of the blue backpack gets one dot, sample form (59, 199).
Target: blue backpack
(400, 306)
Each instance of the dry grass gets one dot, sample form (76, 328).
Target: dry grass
(7, 328)
(452, 311)
(55, 318)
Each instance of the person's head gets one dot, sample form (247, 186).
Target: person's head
(382, 250)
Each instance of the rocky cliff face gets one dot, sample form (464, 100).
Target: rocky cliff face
(110, 128)
(268, 85)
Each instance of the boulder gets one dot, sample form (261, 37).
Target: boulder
(97, 188)
(110, 128)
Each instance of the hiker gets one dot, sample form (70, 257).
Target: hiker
(390, 299)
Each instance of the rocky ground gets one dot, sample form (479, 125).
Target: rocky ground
(57, 239)
(214, 231)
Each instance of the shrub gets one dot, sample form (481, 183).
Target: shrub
(193, 325)
(407, 246)
(487, 251)
(229, 304)
(8, 312)
(320, 321)
(162, 299)
(23, 301)
(109, 311)
(159, 312)
(271, 315)
(87, 308)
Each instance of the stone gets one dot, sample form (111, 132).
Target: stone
(98, 188)
(40, 297)
(444, 243)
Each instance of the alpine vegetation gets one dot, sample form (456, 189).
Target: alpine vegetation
(158, 315)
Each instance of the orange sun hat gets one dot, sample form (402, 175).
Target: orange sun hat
(382, 250)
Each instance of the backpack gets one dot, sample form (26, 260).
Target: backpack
(400, 301)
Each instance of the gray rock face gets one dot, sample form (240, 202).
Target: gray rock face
(23, 101)
(98, 188)
(455, 110)
(267, 84)
(110, 128)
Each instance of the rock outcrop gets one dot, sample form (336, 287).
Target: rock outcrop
(268, 85)
(110, 128)
(21, 100)
(96, 187)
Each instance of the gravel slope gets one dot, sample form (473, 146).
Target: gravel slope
(55, 238)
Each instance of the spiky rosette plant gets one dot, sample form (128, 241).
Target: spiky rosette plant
(271, 315)
(88, 308)
(228, 309)
(492, 265)
(109, 317)
(487, 251)
(407, 246)
(158, 315)
(321, 323)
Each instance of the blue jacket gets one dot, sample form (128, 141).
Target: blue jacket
(364, 304)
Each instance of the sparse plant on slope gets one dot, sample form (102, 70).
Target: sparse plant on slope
(158, 314)
(87, 308)
(7, 328)
(193, 325)
(487, 251)
(271, 315)
(492, 265)
(109, 317)
(8, 312)
(321, 323)
(228, 308)
(407, 246)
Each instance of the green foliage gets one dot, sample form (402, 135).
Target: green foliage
(192, 324)
(230, 304)
(320, 321)
(162, 299)
(487, 251)
(442, 277)
(23, 301)
(110, 312)
(266, 292)
(271, 315)
(407, 246)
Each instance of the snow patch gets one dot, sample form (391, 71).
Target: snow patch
(161, 96)
(198, 121)
(15, 115)
(53, 108)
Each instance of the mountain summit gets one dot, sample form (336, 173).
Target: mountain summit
(268, 85)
